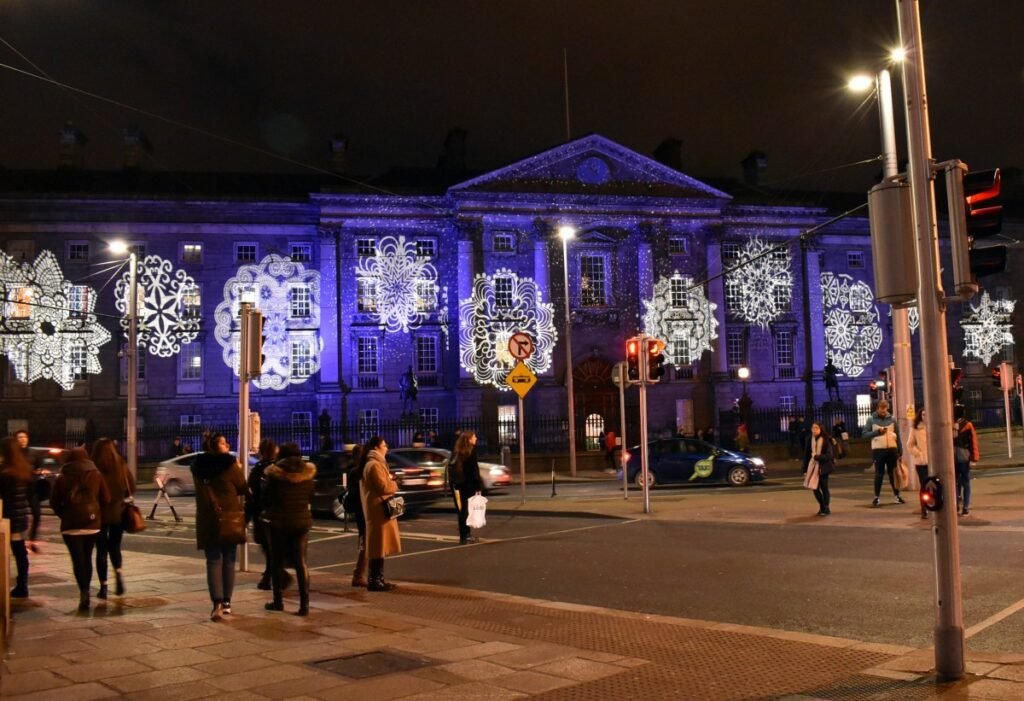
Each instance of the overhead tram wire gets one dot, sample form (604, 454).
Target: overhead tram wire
(209, 134)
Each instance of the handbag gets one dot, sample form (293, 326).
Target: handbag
(811, 478)
(902, 476)
(230, 524)
(131, 517)
(394, 506)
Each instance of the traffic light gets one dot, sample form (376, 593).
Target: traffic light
(633, 360)
(974, 213)
(997, 380)
(1004, 374)
(956, 376)
(655, 359)
(931, 494)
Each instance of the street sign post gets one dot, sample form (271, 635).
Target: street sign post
(521, 380)
(619, 378)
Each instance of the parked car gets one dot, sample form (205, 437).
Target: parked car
(419, 485)
(176, 474)
(675, 460)
(493, 474)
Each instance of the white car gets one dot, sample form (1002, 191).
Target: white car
(175, 474)
(494, 475)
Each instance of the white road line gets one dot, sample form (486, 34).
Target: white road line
(162, 537)
(992, 620)
(333, 537)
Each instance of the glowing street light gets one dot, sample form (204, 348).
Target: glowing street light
(121, 248)
(565, 233)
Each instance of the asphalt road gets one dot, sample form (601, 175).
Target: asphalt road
(871, 584)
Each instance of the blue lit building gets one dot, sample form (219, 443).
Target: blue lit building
(638, 222)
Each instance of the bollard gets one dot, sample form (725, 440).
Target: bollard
(553, 493)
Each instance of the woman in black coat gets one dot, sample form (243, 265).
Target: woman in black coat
(15, 487)
(353, 505)
(464, 479)
(287, 494)
(254, 504)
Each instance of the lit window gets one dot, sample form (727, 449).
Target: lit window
(19, 303)
(245, 252)
(592, 281)
(191, 302)
(733, 298)
(300, 302)
(426, 248)
(366, 295)
(366, 248)
(507, 424)
(504, 242)
(78, 301)
(192, 253)
(302, 358)
(682, 350)
(367, 355)
(677, 293)
(79, 359)
(301, 253)
(190, 361)
(426, 296)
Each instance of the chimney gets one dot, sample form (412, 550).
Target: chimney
(339, 150)
(753, 164)
(136, 148)
(72, 144)
(453, 158)
(670, 153)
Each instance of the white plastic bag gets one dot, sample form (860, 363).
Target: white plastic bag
(477, 517)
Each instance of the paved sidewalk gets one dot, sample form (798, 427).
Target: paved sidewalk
(429, 642)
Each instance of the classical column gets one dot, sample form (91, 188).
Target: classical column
(814, 318)
(330, 309)
(716, 295)
(466, 271)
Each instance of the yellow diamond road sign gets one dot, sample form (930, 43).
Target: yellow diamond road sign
(521, 379)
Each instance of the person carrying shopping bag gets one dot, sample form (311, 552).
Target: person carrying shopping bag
(465, 481)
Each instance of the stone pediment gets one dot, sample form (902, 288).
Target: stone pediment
(591, 165)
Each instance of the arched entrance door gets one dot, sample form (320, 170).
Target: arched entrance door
(597, 401)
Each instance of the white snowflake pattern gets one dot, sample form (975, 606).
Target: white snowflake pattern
(501, 305)
(49, 328)
(288, 296)
(163, 323)
(988, 328)
(404, 284)
(764, 282)
(852, 331)
(680, 314)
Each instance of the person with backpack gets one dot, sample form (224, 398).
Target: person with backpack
(254, 505)
(464, 479)
(287, 494)
(220, 485)
(965, 451)
(79, 496)
(121, 486)
(15, 487)
(353, 505)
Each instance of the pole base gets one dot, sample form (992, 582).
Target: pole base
(949, 653)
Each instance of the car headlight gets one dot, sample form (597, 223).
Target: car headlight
(498, 471)
(757, 461)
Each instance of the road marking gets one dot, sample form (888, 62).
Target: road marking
(992, 620)
(333, 537)
(488, 542)
(162, 537)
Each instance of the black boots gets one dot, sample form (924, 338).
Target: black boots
(377, 581)
(102, 593)
(83, 600)
(118, 583)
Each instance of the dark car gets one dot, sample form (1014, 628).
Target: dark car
(680, 460)
(418, 485)
(47, 463)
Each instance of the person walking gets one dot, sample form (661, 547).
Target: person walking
(382, 537)
(840, 436)
(819, 456)
(918, 447)
(15, 486)
(965, 451)
(886, 449)
(220, 483)
(742, 438)
(464, 479)
(121, 486)
(254, 506)
(353, 505)
(79, 496)
(286, 496)
(40, 490)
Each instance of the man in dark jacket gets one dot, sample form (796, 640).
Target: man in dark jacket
(287, 494)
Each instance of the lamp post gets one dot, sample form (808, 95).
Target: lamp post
(131, 354)
(745, 401)
(903, 388)
(565, 233)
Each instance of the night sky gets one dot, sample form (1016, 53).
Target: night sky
(724, 77)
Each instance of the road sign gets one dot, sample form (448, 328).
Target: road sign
(521, 379)
(520, 345)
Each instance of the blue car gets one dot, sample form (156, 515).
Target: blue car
(681, 460)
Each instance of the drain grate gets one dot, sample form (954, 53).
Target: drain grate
(372, 664)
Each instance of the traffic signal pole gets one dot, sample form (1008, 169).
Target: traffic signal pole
(244, 333)
(948, 631)
(644, 448)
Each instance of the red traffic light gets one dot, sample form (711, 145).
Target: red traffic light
(931, 494)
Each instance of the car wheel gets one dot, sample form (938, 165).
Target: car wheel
(638, 479)
(739, 476)
(174, 488)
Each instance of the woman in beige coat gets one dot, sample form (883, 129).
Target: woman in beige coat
(382, 537)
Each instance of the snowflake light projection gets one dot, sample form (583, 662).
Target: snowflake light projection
(501, 305)
(852, 332)
(404, 284)
(162, 322)
(681, 314)
(48, 329)
(763, 280)
(288, 295)
(988, 328)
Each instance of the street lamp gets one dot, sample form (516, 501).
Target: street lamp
(565, 233)
(745, 401)
(131, 353)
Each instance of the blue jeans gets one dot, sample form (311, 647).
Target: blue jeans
(963, 483)
(220, 571)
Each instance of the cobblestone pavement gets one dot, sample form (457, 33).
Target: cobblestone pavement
(429, 642)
